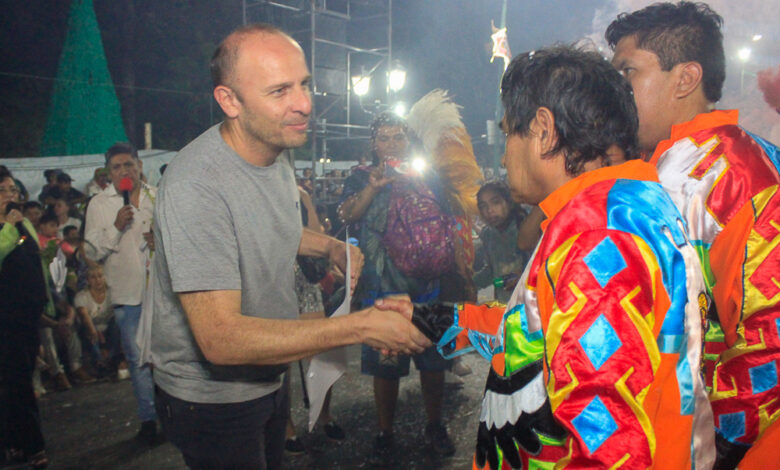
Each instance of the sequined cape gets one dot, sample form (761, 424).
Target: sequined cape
(613, 304)
(725, 182)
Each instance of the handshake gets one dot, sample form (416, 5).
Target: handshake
(397, 326)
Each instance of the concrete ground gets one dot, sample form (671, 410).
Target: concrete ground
(92, 426)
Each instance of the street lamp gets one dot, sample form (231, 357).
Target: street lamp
(396, 78)
(361, 84)
(743, 55)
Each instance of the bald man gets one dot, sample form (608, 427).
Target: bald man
(227, 228)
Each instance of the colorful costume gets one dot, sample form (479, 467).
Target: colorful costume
(597, 354)
(725, 183)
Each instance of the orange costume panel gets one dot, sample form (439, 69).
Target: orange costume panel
(595, 362)
(725, 183)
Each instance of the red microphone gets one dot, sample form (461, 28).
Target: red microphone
(125, 186)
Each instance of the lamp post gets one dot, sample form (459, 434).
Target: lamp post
(743, 55)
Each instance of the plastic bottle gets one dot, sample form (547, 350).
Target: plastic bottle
(506, 279)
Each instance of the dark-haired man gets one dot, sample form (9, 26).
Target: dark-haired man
(600, 344)
(725, 182)
(121, 237)
(71, 194)
(223, 325)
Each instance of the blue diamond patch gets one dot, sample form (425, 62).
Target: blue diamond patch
(594, 424)
(732, 425)
(604, 261)
(600, 342)
(763, 377)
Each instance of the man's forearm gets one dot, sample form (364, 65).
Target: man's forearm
(260, 341)
(315, 244)
(226, 337)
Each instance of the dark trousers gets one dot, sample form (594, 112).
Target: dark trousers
(20, 423)
(246, 435)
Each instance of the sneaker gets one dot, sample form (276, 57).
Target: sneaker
(460, 368)
(122, 374)
(61, 383)
(81, 376)
(38, 389)
(334, 431)
(148, 432)
(382, 453)
(294, 446)
(438, 440)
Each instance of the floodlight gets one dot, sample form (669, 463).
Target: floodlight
(744, 54)
(396, 78)
(361, 84)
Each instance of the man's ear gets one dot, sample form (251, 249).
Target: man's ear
(227, 100)
(543, 127)
(689, 76)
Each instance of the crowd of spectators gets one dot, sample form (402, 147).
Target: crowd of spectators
(79, 342)
(79, 339)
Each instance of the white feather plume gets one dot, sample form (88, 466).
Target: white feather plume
(434, 118)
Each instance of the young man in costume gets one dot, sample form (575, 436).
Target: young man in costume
(724, 181)
(594, 361)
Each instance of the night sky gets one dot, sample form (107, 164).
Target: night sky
(157, 52)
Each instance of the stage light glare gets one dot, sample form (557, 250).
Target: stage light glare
(419, 164)
(400, 109)
(744, 54)
(757, 37)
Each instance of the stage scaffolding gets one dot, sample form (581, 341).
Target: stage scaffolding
(341, 39)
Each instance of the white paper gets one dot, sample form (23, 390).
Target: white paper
(327, 367)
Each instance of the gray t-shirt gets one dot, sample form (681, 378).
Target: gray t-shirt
(220, 223)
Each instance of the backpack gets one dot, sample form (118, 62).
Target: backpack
(419, 234)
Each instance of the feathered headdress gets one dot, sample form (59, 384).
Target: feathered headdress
(436, 120)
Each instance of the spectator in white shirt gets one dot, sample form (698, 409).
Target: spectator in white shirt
(100, 181)
(121, 238)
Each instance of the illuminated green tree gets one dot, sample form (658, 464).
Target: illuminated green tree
(85, 115)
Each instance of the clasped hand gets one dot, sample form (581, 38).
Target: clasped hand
(392, 331)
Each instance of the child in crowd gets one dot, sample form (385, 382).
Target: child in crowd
(33, 210)
(47, 230)
(96, 313)
(62, 208)
(504, 262)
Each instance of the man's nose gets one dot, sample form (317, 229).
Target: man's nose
(302, 101)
